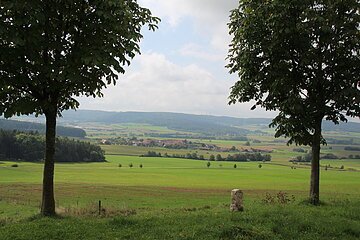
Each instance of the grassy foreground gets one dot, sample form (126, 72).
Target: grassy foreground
(336, 220)
(177, 199)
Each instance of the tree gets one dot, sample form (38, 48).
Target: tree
(53, 51)
(302, 59)
(208, 164)
(233, 149)
(219, 157)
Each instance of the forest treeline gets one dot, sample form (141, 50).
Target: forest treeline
(38, 127)
(240, 157)
(30, 147)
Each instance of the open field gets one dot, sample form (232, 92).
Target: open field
(281, 153)
(168, 175)
(96, 130)
(182, 173)
(176, 199)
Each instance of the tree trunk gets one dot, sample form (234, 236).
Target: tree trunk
(48, 200)
(315, 165)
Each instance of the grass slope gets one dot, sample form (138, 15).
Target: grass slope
(176, 199)
(182, 173)
(338, 220)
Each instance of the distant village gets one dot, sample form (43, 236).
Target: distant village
(176, 144)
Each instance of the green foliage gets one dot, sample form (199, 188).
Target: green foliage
(240, 157)
(329, 156)
(219, 157)
(301, 58)
(31, 147)
(244, 157)
(233, 149)
(304, 158)
(53, 51)
(152, 154)
(69, 150)
(301, 150)
(208, 164)
(357, 156)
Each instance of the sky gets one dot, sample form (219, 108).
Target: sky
(182, 65)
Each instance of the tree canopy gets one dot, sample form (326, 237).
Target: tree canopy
(52, 51)
(30, 147)
(300, 58)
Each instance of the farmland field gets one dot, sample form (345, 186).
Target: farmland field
(166, 187)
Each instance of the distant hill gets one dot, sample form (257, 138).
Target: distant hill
(207, 125)
(156, 117)
(204, 124)
(183, 121)
(38, 127)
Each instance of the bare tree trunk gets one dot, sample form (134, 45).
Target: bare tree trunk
(315, 165)
(48, 200)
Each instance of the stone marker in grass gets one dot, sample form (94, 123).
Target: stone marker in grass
(236, 201)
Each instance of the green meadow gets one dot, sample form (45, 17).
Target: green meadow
(183, 173)
(177, 199)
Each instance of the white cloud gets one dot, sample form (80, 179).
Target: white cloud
(161, 85)
(210, 16)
